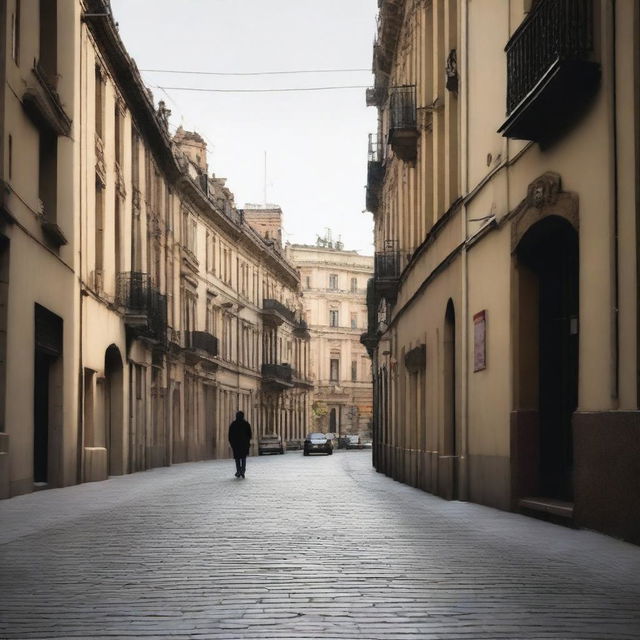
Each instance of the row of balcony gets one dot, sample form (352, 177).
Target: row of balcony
(145, 313)
(551, 79)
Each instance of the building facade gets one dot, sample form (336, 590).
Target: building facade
(139, 310)
(503, 321)
(334, 286)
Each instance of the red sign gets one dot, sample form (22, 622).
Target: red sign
(480, 341)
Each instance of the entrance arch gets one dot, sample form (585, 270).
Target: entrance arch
(114, 411)
(548, 272)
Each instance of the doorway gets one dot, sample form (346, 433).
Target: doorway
(549, 251)
(47, 406)
(450, 424)
(114, 417)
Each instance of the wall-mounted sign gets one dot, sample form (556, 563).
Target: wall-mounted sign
(480, 341)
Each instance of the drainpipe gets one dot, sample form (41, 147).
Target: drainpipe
(81, 395)
(463, 468)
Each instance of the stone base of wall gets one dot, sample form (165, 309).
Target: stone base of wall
(607, 472)
(95, 464)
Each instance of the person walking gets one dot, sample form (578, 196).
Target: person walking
(240, 441)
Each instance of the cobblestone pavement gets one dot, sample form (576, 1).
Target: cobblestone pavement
(317, 547)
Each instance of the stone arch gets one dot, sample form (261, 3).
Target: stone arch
(544, 198)
(114, 417)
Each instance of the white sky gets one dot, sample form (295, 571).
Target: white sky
(316, 141)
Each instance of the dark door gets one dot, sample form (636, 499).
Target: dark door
(550, 248)
(41, 418)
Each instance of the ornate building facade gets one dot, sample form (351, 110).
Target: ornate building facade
(334, 305)
(503, 323)
(139, 309)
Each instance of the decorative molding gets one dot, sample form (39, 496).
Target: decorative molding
(544, 198)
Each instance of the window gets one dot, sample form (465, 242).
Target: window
(15, 34)
(48, 174)
(354, 320)
(99, 229)
(333, 318)
(308, 282)
(99, 97)
(333, 281)
(354, 284)
(48, 58)
(191, 231)
(334, 370)
(354, 370)
(118, 118)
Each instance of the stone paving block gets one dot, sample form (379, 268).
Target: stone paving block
(190, 552)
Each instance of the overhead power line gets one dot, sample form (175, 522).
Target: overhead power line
(204, 90)
(252, 73)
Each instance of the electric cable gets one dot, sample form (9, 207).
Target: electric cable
(289, 89)
(252, 73)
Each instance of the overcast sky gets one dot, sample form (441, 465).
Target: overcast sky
(316, 141)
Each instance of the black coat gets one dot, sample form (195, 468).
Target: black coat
(240, 438)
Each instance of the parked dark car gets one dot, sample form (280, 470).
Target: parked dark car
(317, 443)
(270, 443)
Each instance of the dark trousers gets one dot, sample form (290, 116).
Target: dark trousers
(241, 465)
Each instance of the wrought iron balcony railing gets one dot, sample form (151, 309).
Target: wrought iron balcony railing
(550, 74)
(275, 310)
(403, 121)
(387, 273)
(203, 341)
(277, 377)
(145, 307)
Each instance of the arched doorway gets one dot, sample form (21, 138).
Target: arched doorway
(449, 402)
(548, 343)
(114, 411)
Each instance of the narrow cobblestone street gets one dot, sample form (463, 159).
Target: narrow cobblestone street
(318, 547)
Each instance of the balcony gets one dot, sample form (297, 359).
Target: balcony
(145, 308)
(551, 77)
(375, 173)
(200, 346)
(42, 104)
(274, 313)
(301, 330)
(370, 339)
(387, 274)
(403, 123)
(277, 377)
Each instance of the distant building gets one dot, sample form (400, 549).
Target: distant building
(266, 220)
(334, 283)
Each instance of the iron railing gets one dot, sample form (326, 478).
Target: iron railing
(202, 340)
(138, 297)
(277, 371)
(133, 291)
(402, 108)
(270, 304)
(387, 265)
(555, 30)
